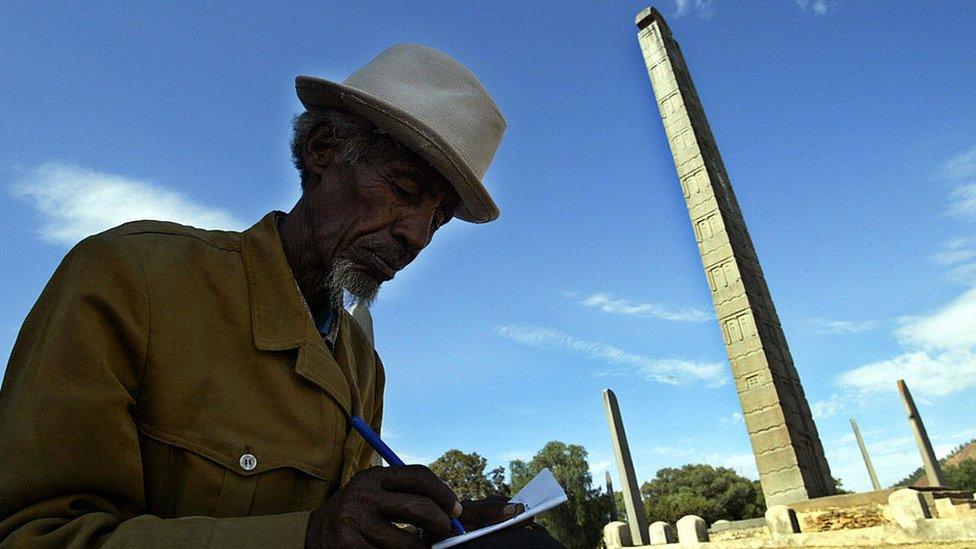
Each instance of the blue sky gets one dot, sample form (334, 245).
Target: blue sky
(848, 130)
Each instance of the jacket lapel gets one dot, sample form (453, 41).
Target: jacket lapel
(279, 319)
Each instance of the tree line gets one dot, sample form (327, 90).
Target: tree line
(711, 492)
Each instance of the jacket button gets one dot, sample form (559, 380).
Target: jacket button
(248, 462)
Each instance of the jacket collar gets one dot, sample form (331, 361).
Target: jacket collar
(279, 318)
(278, 315)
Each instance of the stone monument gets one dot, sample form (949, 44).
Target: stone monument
(636, 518)
(785, 442)
(933, 471)
(613, 499)
(864, 454)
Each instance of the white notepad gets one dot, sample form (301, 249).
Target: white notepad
(541, 493)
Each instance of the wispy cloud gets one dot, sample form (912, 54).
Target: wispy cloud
(607, 304)
(701, 8)
(959, 167)
(731, 419)
(938, 347)
(672, 371)
(963, 201)
(817, 7)
(939, 357)
(76, 202)
(827, 326)
(823, 409)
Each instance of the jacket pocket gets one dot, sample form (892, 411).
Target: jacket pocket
(184, 478)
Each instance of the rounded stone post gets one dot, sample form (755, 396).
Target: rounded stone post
(692, 529)
(907, 508)
(616, 534)
(661, 533)
(781, 521)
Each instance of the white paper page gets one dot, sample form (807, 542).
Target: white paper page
(540, 494)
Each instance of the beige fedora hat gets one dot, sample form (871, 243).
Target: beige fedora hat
(431, 103)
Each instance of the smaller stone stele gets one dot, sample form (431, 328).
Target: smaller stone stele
(907, 508)
(692, 529)
(781, 521)
(616, 534)
(661, 533)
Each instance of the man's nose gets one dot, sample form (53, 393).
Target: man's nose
(415, 230)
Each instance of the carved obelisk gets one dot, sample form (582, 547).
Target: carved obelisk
(636, 518)
(787, 448)
(613, 498)
(864, 454)
(933, 471)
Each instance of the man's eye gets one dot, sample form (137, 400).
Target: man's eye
(405, 192)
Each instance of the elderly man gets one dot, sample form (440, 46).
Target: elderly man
(180, 387)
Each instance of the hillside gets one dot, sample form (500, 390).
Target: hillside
(960, 454)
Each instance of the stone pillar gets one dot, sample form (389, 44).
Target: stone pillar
(864, 454)
(661, 533)
(628, 479)
(613, 498)
(784, 438)
(692, 529)
(933, 471)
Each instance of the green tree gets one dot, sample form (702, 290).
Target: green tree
(579, 522)
(465, 474)
(961, 476)
(712, 493)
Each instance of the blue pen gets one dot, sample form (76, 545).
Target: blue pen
(360, 425)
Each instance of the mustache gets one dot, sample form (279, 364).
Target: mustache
(394, 253)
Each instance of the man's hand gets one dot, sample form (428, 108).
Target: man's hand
(488, 511)
(362, 513)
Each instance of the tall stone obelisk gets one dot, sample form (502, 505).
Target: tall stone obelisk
(789, 456)
(636, 518)
(864, 454)
(933, 471)
(613, 498)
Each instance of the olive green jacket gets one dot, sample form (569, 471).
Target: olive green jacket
(169, 388)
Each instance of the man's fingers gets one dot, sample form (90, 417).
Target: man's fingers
(491, 510)
(417, 510)
(417, 479)
(385, 535)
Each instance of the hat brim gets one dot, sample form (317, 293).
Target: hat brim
(476, 204)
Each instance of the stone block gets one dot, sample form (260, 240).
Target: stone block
(661, 533)
(692, 529)
(907, 508)
(781, 521)
(616, 534)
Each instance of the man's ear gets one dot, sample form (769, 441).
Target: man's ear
(320, 151)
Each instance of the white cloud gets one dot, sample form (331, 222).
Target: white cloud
(607, 304)
(76, 202)
(818, 7)
(963, 201)
(731, 419)
(951, 328)
(823, 409)
(961, 166)
(701, 8)
(672, 371)
(827, 326)
(927, 374)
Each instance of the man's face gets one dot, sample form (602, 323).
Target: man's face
(374, 216)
